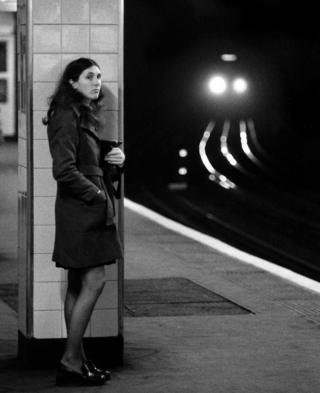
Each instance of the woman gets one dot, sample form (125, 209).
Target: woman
(86, 237)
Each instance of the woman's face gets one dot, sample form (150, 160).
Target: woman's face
(89, 83)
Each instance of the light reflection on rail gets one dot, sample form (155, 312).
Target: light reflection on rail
(224, 145)
(215, 176)
(244, 126)
(253, 136)
(245, 143)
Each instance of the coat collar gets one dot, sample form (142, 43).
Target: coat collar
(86, 115)
(79, 107)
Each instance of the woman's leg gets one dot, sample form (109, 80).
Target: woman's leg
(92, 283)
(74, 288)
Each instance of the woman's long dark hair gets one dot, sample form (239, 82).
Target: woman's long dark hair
(65, 94)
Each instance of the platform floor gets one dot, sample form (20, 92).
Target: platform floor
(273, 349)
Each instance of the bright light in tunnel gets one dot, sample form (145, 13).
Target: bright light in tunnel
(183, 153)
(217, 85)
(229, 57)
(183, 171)
(240, 85)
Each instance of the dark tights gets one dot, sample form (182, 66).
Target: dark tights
(84, 289)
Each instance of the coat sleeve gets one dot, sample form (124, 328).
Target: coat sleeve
(63, 142)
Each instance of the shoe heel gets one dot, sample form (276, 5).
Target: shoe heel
(64, 377)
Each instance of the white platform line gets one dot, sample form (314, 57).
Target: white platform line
(223, 247)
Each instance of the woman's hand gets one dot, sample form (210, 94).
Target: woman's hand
(115, 156)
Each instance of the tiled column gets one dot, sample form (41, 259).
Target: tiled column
(50, 35)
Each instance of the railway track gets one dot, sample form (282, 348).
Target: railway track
(254, 231)
(244, 206)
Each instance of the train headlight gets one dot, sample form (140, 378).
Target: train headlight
(229, 57)
(217, 85)
(240, 85)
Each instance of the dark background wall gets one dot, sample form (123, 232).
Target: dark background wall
(172, 47)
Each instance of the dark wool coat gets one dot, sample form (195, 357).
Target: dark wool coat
(86, 234)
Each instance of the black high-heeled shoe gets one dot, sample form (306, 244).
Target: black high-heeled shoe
(66, 377)
(93, 368)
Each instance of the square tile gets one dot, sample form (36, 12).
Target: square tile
(109, 66)
(43, 182)
(39, 129)
(46, 38)
(44, 11)
(104, 11)
(41, 93)
(104, 39)
(64, 275)
(45, 270)
(75, 11)
(41, 154)
(46, 67)
(69, 57)
(47, 295)
(105, 323)
(75, 39)
(43, 210)
(47, 324)
(43, 238)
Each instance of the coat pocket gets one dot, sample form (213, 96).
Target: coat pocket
(76, 216)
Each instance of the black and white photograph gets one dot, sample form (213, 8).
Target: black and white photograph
(159, 197)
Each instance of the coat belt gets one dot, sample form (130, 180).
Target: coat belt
(90, 170)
